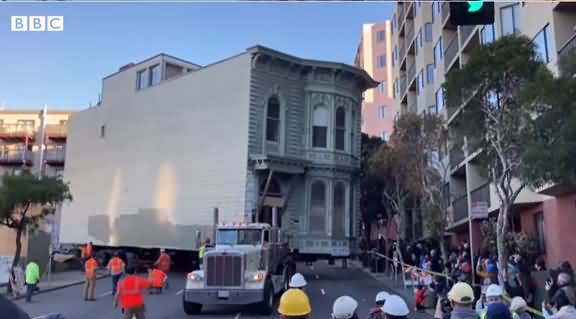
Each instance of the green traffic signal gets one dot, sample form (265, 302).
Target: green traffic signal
(475, 6)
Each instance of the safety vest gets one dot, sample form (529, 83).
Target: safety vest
(163, 263)
(156, 278)
(514, 315)
(90, 268)
(116, 266)
(201, 251)
(130, 292)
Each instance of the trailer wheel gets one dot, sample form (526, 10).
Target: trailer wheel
(266, 307)
(191, 308)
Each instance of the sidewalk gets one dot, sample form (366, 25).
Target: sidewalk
(61, 280)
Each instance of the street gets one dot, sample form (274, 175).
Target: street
(325, 284)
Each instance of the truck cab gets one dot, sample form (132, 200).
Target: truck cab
(249, 264)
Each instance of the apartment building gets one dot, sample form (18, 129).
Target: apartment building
(425, 46)
(22, 134)
(374, 55)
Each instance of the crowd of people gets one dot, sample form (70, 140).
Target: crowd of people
(440, 282)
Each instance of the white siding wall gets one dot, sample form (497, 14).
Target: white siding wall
(173, 151)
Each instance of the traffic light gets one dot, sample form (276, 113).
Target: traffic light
(471, 12)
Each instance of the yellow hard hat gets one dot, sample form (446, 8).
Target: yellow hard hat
(294, 302)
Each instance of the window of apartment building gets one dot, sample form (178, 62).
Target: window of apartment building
(394, 55)
(155, 75)
(382, 87)
(395, 88)
(317, 207)
(384, 136)
(438, 52)
(320, 126)
(435, 5)
(25, 125)
(429, 73)
(381, 61)
(380, 36)
(539, 223)
(394, 24)
(510, 19)
(428, 32)
(439, 99)
(419, 41)
(487, 34)
(273, 120)
(102, 131)
(340, 129)
(543, 43)
(381, 111)
(417, 7)
(339, 209)
(142, 79)
(419, 82)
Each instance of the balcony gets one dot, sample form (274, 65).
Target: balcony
(402, 85)
(15, 131)
(55, 131)
(456, 157)
(460, 208)
(18, 156)
(445, 10)
(411, 72)
(480, 195)
(55, 156)
(409, 31)
(450, 52)
(400, 14)
(401, 50)
(465, 32)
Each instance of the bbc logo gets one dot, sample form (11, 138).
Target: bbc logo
(37, 23)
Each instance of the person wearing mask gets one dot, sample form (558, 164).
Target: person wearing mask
(345, 307)
(395, 308)
(495, 295)
(130, 295)
(498, 311)
(115, 268)
(297, 281)
(376, 312)
(295, 304)
(513, 281)
(90, 267)
(518, 306)
(157, 279)
(461, 298)
(32, 277)
(163, 263)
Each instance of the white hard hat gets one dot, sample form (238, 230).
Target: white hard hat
(344, 308)
(297, 281)
(494, 291)
(381, 296)
(395, 306)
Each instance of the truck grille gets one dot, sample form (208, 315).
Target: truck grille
(224, 270)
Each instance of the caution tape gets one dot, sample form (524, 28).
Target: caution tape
(409, 268)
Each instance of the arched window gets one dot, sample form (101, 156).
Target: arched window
(340, 129)
(339, 208)
(273, 120)
(320, 126)
(317, 207)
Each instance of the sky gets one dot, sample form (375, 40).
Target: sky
(64, 70)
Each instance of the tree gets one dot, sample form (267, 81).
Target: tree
(370, 185)
(20, 195)
(497, 111)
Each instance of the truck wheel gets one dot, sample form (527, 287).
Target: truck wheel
(191, 308)
(266, 307)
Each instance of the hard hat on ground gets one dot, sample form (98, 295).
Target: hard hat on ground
(381, 296)
(461, 293)
(395, 306)
(294, 303)
(494, 291)
(297, 281)
(344, 308)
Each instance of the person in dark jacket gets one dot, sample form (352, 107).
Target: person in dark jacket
(376, 312)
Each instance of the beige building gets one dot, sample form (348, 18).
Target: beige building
(425, 46)
(22, 134)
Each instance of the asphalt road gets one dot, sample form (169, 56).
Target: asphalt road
(325, 284)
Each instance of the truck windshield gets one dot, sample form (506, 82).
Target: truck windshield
(238, 237)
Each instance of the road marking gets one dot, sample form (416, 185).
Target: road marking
(105, 294)
(323, 292)
(179, 292)
(237, 316)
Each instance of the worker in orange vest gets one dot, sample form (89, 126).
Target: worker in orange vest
(130, 295)
(86, 251)
(90, 267)
(157, 278)
(116, 268)
(163, 263)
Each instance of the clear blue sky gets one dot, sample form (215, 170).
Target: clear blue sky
(64, 69)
